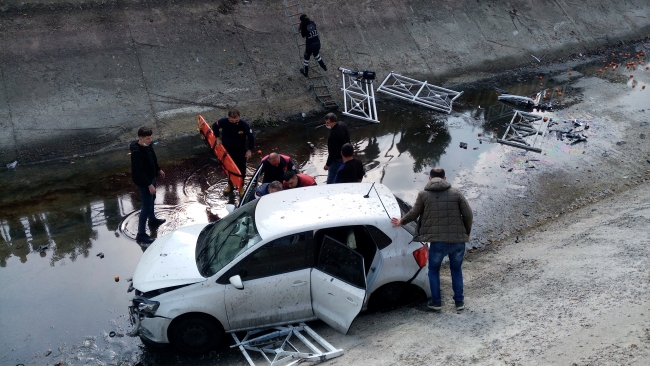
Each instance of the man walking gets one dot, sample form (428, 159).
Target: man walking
(235, 131)
(339, 136)
(308, 31)
(446, 222)
(144, 167)
(351, 171)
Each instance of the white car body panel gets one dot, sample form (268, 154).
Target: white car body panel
(270, 300)
(169, 261)
(334, 301)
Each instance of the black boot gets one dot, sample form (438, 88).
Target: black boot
(144, 239)
(156, 222)
(305, 71)
(322, 64)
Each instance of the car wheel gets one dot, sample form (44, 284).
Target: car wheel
(387, 297)
(195, 334)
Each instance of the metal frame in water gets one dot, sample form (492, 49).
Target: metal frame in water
(428, 95)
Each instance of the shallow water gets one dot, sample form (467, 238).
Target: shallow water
(65, 299)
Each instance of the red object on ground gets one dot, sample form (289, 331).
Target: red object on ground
(230, 168)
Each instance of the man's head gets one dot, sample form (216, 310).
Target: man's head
(437, 172)
(233, 115)
(290, 178)
(330, 120)
(275, 186)
(274, 159)
(347, 151)
(144, 136)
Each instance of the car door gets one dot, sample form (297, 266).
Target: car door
(276, 283)
(338, 284)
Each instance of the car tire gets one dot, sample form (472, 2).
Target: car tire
(195, 334)
(387, 297)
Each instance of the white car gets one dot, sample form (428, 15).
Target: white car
(321, 252)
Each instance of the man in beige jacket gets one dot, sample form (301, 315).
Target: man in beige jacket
(446, 222)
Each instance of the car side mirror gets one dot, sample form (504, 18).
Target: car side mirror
(236, 282)
(230, 208)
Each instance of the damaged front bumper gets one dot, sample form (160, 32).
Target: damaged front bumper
(151, 328)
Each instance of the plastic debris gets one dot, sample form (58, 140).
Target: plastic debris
(43, 247)
(117, 278)
(463, 145)
(112, 334)
(48, 352)
(311, 146)
(100, 255)
(12, 165)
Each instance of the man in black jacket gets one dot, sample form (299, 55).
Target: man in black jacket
(339, 135)
(144, 167)
(308, 31)
(351, 171)
(234, 132)
(274, 166)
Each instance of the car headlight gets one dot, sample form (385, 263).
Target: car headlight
(146, 307)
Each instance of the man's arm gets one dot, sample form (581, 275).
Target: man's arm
(466, 211)
(413, 214)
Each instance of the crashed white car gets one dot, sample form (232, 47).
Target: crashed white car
(322, 252)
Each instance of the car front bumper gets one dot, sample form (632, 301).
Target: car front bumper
(152, 329)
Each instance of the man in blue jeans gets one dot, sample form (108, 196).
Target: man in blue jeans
(144, 168)
(339, 136)
(446, 222)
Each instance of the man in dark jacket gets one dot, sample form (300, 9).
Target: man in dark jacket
(308, 31)
(446, 222)
(339, 136)
(144, 167)
(274, 167)
(234, 133)
(351, 171)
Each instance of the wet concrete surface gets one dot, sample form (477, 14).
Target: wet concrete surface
(64, 298)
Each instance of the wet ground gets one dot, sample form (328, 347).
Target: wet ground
(60, 300)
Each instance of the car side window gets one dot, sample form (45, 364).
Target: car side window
(337, 260)
(381, 239)
(283, 255)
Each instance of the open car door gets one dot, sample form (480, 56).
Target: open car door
(338, 285)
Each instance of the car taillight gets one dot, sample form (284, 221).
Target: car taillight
(421, 255)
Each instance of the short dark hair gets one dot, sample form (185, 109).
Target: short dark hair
(347, 150)
(275, 185)
(233, 112)
(288, 175)
(144, 131)
(331, 117)
(437, 172)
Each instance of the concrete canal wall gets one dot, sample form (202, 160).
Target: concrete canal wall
(79, 77)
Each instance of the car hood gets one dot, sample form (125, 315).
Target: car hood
(169, 261)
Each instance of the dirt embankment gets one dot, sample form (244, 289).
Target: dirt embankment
(80, 76)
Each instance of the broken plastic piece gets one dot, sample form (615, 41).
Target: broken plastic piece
(12, 165)
(100, 255)
(463, 145)
(42, 247)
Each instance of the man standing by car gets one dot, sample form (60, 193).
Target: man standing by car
(144, 167)
(274, 167)
(235, 132)
(339, 136)
(446, 222)
(352, 169)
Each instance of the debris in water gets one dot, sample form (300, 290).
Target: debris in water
(463, 145)
(100, 255)
(431, 137)
(12, 165)
(311, 146)
(642, 136)
(117, 278)
(112, 334)
(48, 352)
(475, 148)
(621, 143)
(517, 239)
(510, 169)
(525, 213)
(43, 247)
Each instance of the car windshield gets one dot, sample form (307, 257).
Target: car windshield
(226, 240)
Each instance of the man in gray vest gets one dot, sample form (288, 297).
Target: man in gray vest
(446, 222)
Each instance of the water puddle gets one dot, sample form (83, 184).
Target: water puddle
(65, 299)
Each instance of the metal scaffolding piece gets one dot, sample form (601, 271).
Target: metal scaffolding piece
(521, 126)
(276, 347)
(293, 10)
(419, 92)
(358, 95)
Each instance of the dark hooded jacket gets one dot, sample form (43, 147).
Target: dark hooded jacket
(144, 165)
(445, 215)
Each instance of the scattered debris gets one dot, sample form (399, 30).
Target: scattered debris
(509, 170)
(48, 352)
(518, 100)
(642, 136)
(525, 213)
(517, 239)
(117, 278)
(463, 145)
(100, 255)
(112, 334)
(521, 126)
(432, 136)
(43, 247)
(475, 148)
(311, 146)
(621, 143)
(12, 165)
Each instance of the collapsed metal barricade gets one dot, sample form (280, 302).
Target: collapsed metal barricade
(277, 348)
(358, 94)
(521, 126)
(419, 92)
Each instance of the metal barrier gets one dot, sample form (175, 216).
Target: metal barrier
(419, 92)
(358, 94)
(521, 126)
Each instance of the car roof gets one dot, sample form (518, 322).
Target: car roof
(311, 208)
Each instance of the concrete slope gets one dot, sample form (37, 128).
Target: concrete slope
(79, 77)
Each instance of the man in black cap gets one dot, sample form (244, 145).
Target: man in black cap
(309, 32)
(144, 167)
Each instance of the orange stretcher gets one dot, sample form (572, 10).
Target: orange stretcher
(229, 166)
